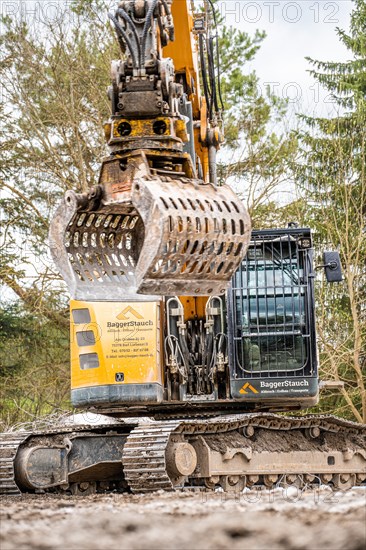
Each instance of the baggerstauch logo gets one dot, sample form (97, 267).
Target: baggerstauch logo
(249, 387)
(130, 318)
(123, 316)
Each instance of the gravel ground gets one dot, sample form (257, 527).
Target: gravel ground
(260, 520)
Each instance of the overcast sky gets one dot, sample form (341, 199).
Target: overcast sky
(294, 30)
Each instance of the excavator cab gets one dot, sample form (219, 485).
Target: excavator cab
(155, 224)
(271, 306)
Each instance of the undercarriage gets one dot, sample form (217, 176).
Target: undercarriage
(228, 452)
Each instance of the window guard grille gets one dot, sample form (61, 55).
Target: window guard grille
(272, 307)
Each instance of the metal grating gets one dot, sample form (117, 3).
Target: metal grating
(164, 236)
(104, 247)
(273, 307)
(204, 235)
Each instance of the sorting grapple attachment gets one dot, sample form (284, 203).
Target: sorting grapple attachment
(141, 232)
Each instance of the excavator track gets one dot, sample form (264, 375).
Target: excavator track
(230, 452)
(9, 444)
(145, 454)
(144, 457)
(13, 444)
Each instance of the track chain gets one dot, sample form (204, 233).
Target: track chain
(144, 453)
(9, 444)
(143, 458)
(11, 441)
(269, 421)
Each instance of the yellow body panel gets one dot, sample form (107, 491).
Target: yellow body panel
(142, 127)
(194, 307)
(115, 343)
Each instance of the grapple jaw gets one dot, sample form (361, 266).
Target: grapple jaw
(141, 232)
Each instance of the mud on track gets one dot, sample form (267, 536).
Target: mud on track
(255, 520)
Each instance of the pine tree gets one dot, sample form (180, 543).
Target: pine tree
(332, 176)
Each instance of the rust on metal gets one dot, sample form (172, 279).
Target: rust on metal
(149, 229)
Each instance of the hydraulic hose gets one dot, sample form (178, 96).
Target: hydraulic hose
(124, 15)
(120, 30)
(145, 31)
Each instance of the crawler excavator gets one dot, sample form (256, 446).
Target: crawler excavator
(189, 331)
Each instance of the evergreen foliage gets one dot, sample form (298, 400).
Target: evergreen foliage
(332, 176)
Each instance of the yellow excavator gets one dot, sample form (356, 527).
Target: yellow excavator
(189, 331)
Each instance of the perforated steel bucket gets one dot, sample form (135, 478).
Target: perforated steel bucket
(154, 235)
